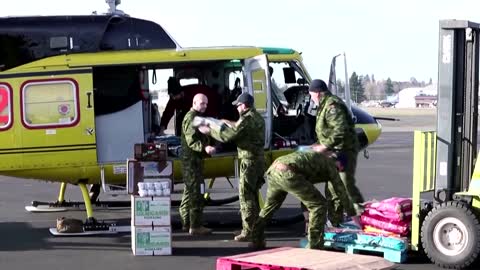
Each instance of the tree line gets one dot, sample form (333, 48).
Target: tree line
(366, 87)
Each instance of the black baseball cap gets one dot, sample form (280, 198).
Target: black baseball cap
(244, 98)
(318, 86)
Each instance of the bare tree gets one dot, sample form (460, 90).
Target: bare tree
(371, 91)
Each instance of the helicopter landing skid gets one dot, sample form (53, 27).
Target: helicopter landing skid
(44, 209)
(97, 228)
(39, 207)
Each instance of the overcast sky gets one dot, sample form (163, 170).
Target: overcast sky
(387, 38)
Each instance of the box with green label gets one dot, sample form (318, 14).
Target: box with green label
(148, 241)
(151, 211)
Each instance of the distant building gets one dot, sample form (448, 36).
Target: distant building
(424, 101)
(415, 97)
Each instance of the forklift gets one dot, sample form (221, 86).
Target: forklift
(446, 171)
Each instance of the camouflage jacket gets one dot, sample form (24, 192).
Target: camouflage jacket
(316, 168)
(248, 133)
(335, 128)
(193, 142)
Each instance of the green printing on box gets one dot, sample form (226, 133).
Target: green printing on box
(152, 240)
(152, 209)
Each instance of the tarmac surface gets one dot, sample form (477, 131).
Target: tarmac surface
(27, 244)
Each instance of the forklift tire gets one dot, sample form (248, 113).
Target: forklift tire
(451, 235)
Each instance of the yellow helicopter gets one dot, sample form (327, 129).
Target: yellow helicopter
(75, 97)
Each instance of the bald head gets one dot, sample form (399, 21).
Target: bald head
(200, 102)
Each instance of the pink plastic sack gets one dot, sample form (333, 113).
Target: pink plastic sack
(400, 227)
(392, 205)
(370, 230)
(390, 216)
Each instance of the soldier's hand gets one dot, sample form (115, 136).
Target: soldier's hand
(280, 166)
(319, 148)
(210, 150)
(228, 122)
(204, 129)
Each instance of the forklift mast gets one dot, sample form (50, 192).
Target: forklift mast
(447, 229)
(457, 107)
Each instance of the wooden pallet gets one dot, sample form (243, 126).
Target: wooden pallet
(287, 258)
(391, 255)
(395, 256)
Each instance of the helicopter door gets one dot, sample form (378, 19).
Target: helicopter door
(58, 120)
(332, 83)
(257, 83)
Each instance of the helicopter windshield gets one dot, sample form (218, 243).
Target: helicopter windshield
(289, 87)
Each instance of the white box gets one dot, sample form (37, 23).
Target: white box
(154, 169)
(151, 211)
(148, 241)
(146, 171)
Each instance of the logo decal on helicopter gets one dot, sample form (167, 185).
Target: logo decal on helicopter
(64, 109)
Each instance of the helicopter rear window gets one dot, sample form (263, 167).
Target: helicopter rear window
(50, 104)
(5, 107)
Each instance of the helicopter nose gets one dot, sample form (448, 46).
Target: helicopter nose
(374, 132)
(368, 133)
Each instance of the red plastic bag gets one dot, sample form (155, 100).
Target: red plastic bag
(390, 216)
(400, 227)
(376, 231)
(392, 205)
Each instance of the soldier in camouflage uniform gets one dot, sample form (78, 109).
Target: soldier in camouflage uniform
(195, 147)
(335, 131)
(248, 133)
(297, 173)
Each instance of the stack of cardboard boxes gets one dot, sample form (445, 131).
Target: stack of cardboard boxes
(150, 185)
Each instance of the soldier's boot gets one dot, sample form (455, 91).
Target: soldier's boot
(308, 246)
(200, 231)
(185, 226)
(242, 237)
(257, 245)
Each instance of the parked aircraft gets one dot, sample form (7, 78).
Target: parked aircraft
(75, 97)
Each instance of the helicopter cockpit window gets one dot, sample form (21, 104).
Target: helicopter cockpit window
(289, 92)
(5, 107)
(235, 84)
(50, 104)
(291, 101)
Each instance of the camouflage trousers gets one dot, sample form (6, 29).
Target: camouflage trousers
(335, 209)
(251, 180)
(191, 207)
(279, 185)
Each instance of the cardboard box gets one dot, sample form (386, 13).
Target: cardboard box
(148, 241)
(150, 151)
(139, 171)
(157, 169)
(151, 211)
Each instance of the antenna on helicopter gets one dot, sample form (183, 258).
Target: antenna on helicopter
(113, 7)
